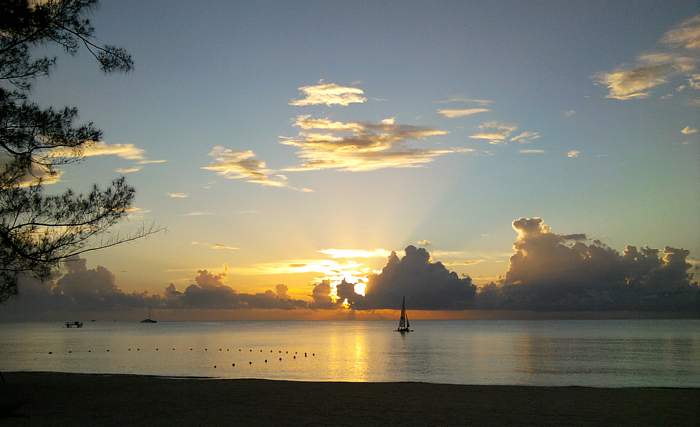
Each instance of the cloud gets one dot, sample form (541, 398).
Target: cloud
(426, 285)
(424, 243)
(79, 288)
(686, 34)
(526, 137)
(127, 170)
(217, 246)
(329, 94)
(463, 112)
(569, 113)
(178, 195)
(495, 132)
(572, 154)
(550, 271)
(650, 70)
(198, 213)
(532, 151)
(464, 100)
(151, 162)
(244, 166)
(361, 146)
(688, 130)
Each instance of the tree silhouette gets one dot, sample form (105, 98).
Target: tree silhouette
(38, 230)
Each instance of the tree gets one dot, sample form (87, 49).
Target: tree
(38, 230)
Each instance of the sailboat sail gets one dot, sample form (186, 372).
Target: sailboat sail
(404, 325)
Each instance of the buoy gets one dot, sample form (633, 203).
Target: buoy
(270, 351)
(107, 350)
(280, 359)
(51, 352)
(129, 348)
(313, 354)
(280, 352)
(214, 366)
(70, 351)
(294, 357)
(190, 348)
(156, 348)
(226, 349)
(251, 350)
(265, 360)
(286, 352)
(219, 349)
(305, 354)
(233, 364)
(206, 349)
(138, 349)
(239, 349)
(260, 351)
(173, 348)
(250, 363)
(89, 351)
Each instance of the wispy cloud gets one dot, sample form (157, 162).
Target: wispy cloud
(216, 246)
(495, 132)
(654, 69)
(525, 137)
(243, 165)
(198, 213)
(127, 170)
(151, 162)
(361, 146)
(178, 195)
(462, 112)
(686, 34)
(572, 154)
(688, 130)
(532, 151)
(329, 94)
(464, 100)
(569, 113)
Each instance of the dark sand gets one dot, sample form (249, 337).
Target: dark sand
(122, 400)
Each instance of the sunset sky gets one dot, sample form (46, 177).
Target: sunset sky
(288, 142)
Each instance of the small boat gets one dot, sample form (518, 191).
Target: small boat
(75, 324)
(404, 325)
(149, 319)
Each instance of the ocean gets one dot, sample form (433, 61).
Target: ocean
(601, 353)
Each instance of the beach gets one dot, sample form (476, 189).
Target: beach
(46, 398)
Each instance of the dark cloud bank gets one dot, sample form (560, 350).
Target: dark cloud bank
(547, 272)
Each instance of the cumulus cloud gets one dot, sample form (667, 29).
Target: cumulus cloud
(244, 166)
(688, 130)
(178, 195)
(329, 94)
(426, 285)
(679, 57)
(79, 288)
(361, 146)
(495, 132)
(452, 113)
(550, 271)
(572, 154)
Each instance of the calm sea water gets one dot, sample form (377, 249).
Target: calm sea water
(585, 352)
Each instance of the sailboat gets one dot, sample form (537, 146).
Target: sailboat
(148, 319)
(404, 325)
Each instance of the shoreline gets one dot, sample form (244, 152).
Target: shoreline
(41, 398)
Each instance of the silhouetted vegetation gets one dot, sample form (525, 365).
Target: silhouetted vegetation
(39, 230)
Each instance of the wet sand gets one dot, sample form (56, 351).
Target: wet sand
(87, 399)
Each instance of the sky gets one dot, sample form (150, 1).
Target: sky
(291, 142)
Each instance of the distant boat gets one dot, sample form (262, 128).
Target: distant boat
(404, 325)
(75, 324)
(148, 319)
